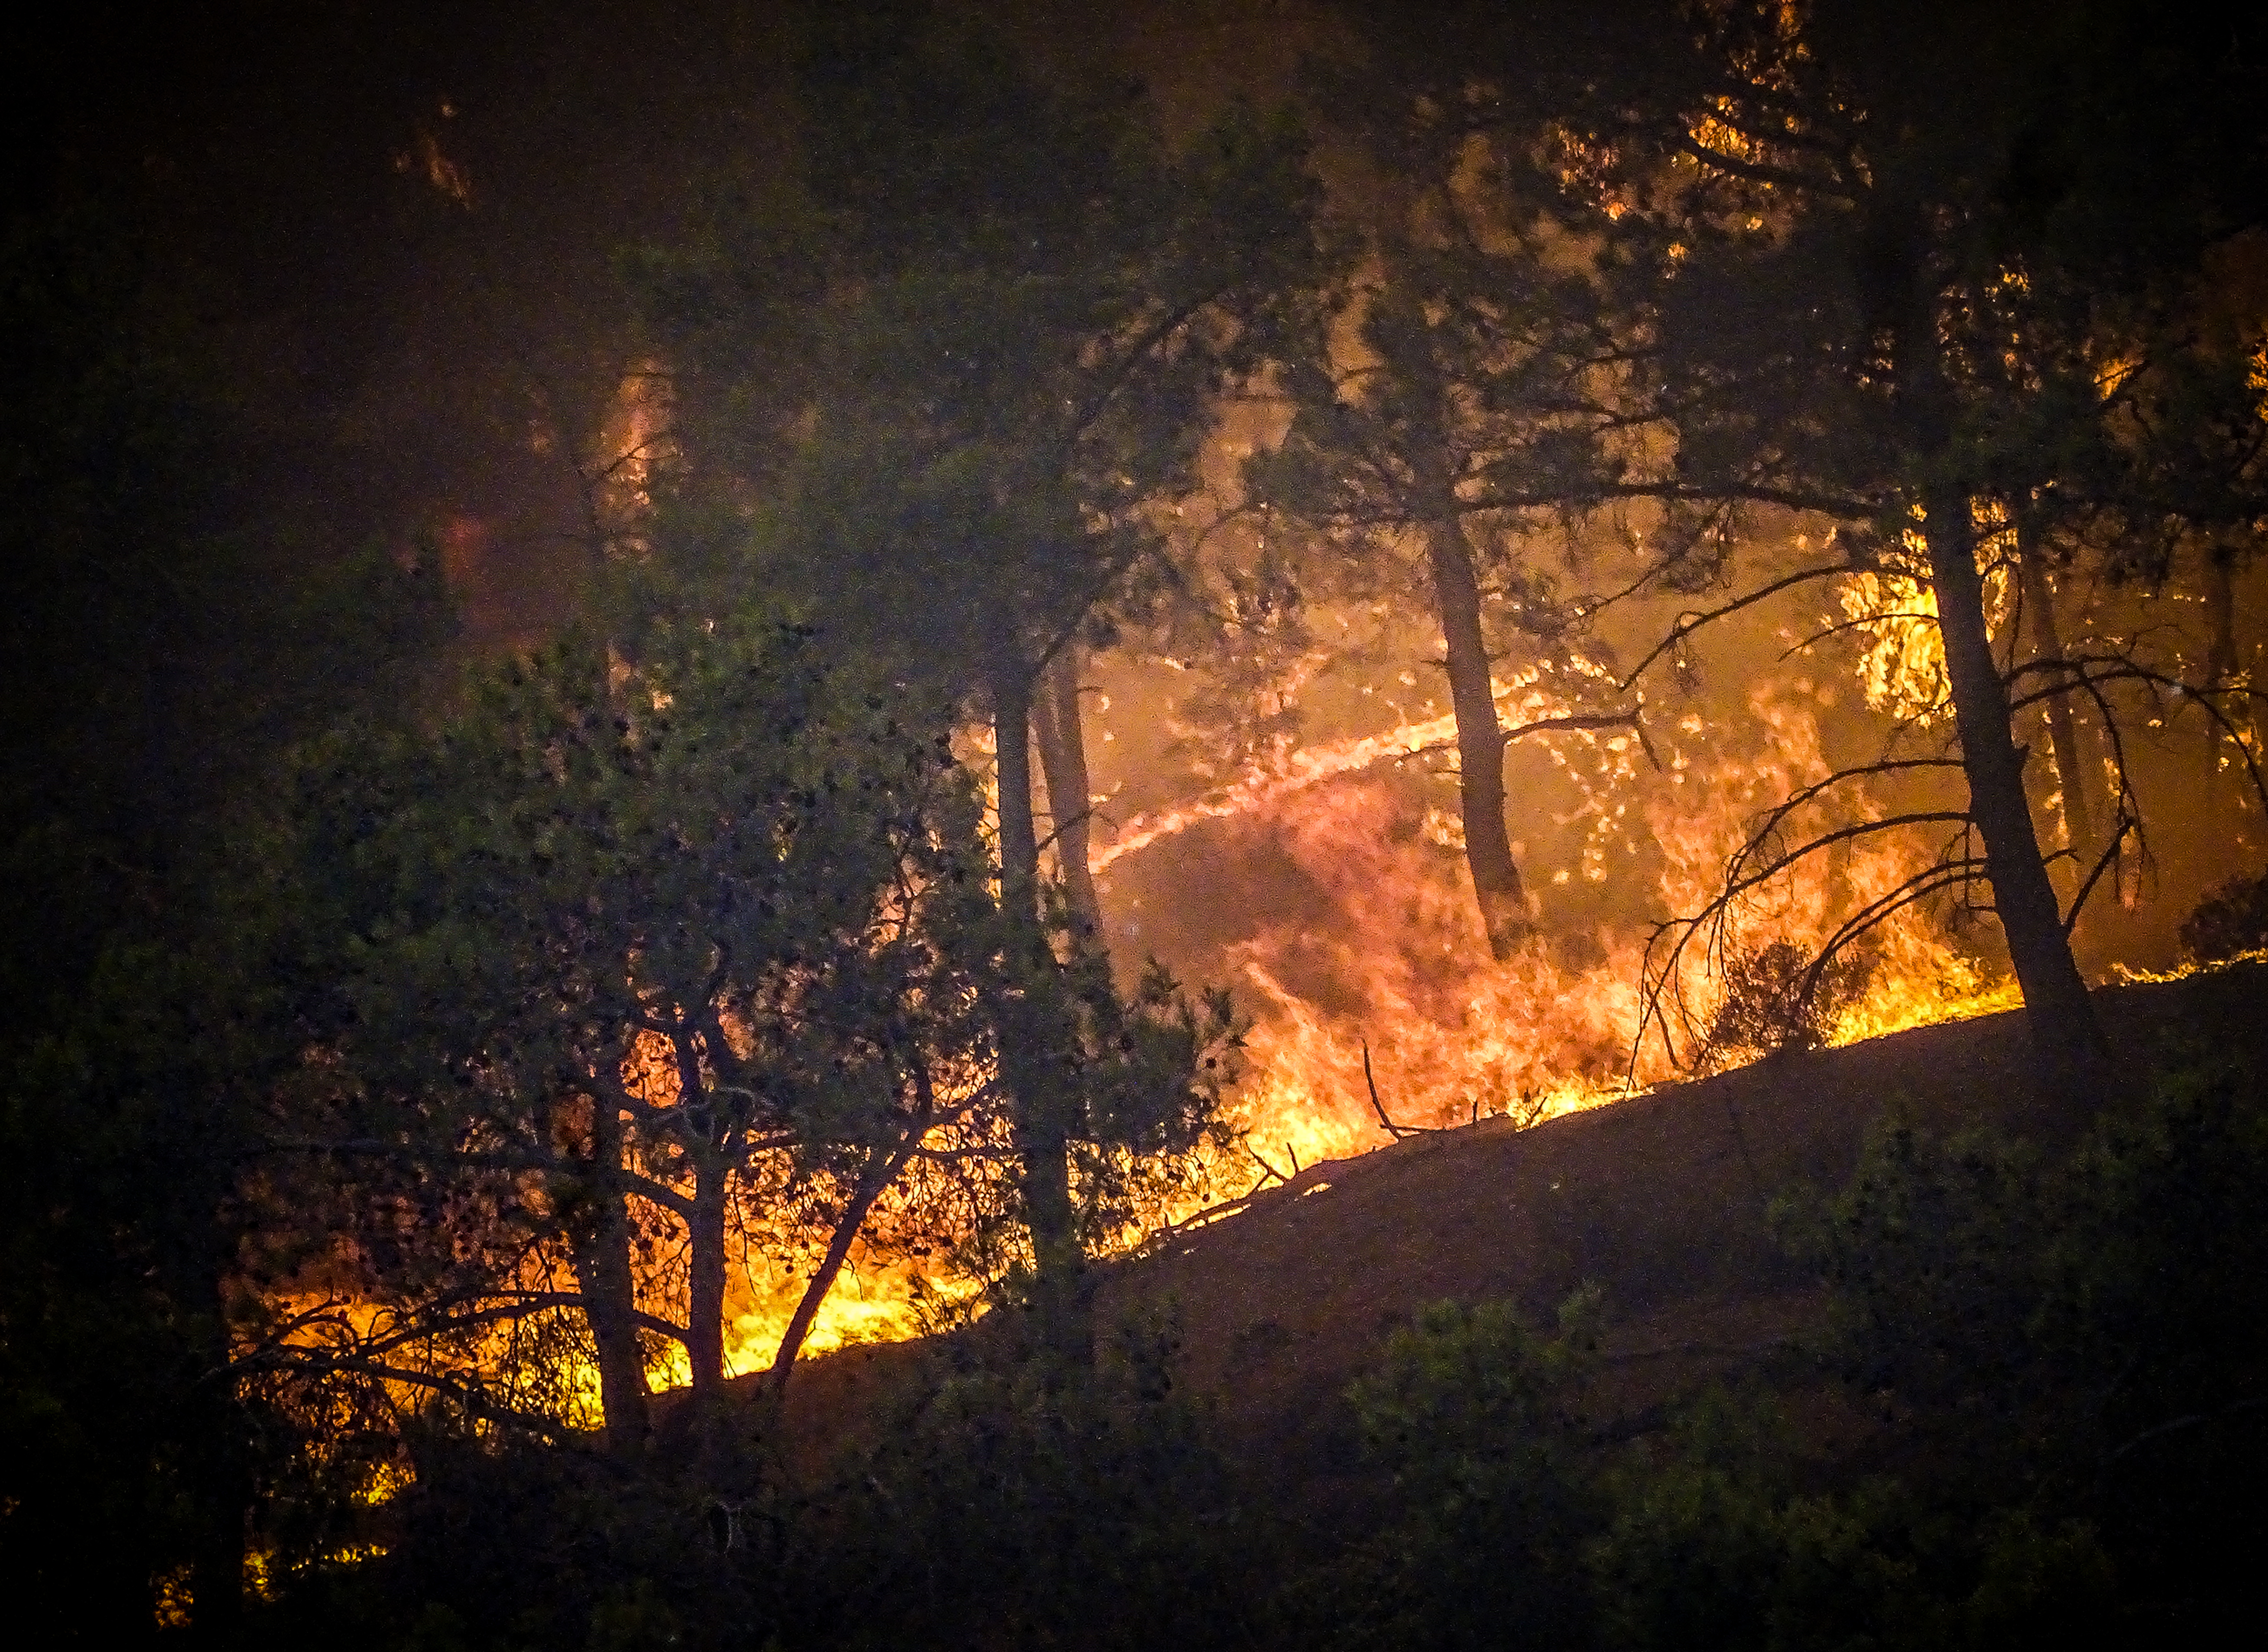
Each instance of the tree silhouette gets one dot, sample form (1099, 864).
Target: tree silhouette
(1022, 306)
(613, 943)
(1929, 286)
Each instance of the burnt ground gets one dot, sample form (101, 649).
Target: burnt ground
(1659, 1199)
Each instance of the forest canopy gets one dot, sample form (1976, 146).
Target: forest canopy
(687, 687)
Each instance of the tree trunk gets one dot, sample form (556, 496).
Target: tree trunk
(2063, 731)
(2065, 1037)
(1480, 741)
(1063, 764)
(705, 1307)
(1043, 1139)
(602, 1263)
(1020, 844)
(881, 1170)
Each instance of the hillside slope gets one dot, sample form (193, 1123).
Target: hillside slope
(1659, 1199)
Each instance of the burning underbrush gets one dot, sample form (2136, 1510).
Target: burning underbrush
(1327, 889)
(1337, 904)
(1317, 870)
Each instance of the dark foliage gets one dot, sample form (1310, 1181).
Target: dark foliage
(1778, 999)
(2079, 1342)
(1008, 1503)
(1716, 1540)
(1013, 1502)
(504, 1544)
(2063, 1364)
(2233, 919)
(1478, 1419)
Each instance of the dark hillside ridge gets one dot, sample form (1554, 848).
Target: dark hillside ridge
(1659, 1199)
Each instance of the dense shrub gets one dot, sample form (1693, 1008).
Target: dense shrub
(506, 1545)
(1933, 1256)
(1778, 997)
(1478, 1419)
(1013, 1501)
(1715, 1540)
(2067, 1364)
(2231, 920)
(2085, 1341)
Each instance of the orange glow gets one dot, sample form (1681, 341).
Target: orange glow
(1325, 884)
(1452, 1038)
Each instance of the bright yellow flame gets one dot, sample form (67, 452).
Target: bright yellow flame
(1901, 666)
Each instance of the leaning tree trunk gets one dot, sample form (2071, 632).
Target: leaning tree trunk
(881, 1169)
(1480, 741)
(602, 1265)
(1036, 1095)
(2062, 730)
(2066, 1036)
(1063, 765)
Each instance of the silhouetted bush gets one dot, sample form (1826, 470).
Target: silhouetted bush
(2083, 1342)
(2065, 1365)
(2233, 919)
(1778, 997)
(1015, 1501)
(1718, 1537)
(1934, 1258)
(1478, 1418)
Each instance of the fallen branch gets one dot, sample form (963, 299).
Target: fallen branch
(1263, 1164)
(1392, 1129)
(1205, 1218)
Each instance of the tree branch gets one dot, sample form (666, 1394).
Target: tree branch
(1691, 622)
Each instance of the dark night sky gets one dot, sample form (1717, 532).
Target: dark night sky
(392, 338)
(280, 151)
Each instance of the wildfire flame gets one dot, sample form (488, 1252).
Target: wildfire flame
(1326, 884)
(1451, 1039)
(1374, 983)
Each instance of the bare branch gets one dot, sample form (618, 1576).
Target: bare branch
(1757, 172)
(1392, 1129)
(1691, 622)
